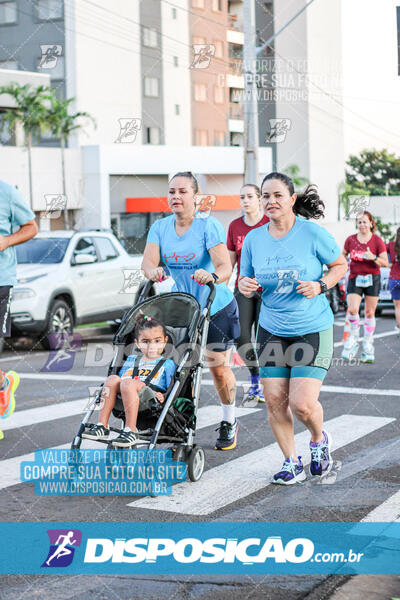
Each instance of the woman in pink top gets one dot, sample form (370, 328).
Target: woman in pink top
(367, 254)
(253, 216)
(393, 250)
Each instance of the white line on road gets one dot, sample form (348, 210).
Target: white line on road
(60, 376)
(388, 511)
(236, 479)
(9, 468)
(378, 335)
(336, 389)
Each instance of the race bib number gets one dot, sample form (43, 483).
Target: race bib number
(364, 281)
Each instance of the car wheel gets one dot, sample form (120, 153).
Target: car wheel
(60, 321)
(334, 300)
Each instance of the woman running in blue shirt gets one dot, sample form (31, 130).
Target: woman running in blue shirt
(194, 253)
(294, 338)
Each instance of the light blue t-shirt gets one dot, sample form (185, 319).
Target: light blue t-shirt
(13, 212)
(277, 264)
(162, 378)
(186, 253)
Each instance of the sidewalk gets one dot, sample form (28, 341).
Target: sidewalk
(369, 587)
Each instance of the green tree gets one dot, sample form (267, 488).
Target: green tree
(30, 111)
(375, 172)
(293, 171)
(62, 123)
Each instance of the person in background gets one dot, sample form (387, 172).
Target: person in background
(249, 308)
(14, 212)
(393, 250)
(367, 253)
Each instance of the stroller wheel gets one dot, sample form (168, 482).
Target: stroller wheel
(179, 454)
(196, 463)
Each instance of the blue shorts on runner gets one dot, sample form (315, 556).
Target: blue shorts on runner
(224, 328)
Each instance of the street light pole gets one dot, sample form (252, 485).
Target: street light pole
(250, 95)
(250, 106)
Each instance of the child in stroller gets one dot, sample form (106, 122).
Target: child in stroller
(141, 380)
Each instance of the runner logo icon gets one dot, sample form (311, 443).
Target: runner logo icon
(62, 547)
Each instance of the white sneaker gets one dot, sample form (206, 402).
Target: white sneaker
(368, 353)
(350, 347)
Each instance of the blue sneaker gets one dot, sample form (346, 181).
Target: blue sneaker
(255, 393)
(291, 472)
(321, 459)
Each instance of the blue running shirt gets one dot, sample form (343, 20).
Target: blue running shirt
(277, 264)
(186, 253)
(162, 378)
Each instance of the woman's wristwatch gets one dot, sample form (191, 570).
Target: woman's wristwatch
(215, 277)
(324, 287)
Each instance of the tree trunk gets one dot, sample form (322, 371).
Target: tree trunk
(66, 219)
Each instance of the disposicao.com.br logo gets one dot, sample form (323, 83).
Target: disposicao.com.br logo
(212, 550)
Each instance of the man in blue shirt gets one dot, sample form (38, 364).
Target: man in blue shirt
(14, 212)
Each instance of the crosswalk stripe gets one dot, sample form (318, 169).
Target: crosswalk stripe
(336, 389)
(388, 511)
(60, 376)
(9, 467)
(42, 414)
(240, 477)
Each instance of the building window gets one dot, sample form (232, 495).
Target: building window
(176, 62)
(153, 135)
(151, 87)
(197, 3)
(219, 94)
(9, 64)
(150, 37)
(48, 10)
(217, 5)
(8, 13)
(200, 137)
(219, 49)
(177, 109)
(219, 138)
(200, 92)
(174, 16)
(199, 40)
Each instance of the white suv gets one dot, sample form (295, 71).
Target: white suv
(67, 278)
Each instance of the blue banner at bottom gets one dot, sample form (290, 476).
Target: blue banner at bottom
(200, 548)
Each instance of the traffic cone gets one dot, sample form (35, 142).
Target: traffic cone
(346, 331)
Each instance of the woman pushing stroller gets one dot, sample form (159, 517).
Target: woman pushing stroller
(151, 338)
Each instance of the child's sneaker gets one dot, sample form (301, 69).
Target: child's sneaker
(96, 432)
(7, 400)
(126, 439)
(291, 472)
(321, 459)
(1, 434)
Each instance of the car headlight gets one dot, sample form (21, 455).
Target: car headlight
(22, 293)
(33, 278)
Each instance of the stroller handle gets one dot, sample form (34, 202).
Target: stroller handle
(146, 289)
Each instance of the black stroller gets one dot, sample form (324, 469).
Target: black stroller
(172, 424)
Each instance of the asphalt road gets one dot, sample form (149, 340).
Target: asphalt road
(361, 406)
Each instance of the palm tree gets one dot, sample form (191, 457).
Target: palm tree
(30, 111)
(61, 123)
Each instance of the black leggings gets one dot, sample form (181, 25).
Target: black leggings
(249, 309)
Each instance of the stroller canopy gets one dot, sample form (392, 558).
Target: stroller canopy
(177, 310)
